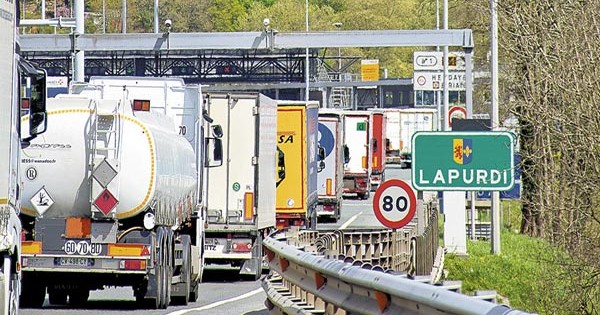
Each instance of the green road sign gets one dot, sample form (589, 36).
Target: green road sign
(463, 161)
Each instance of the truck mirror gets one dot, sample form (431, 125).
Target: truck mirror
(37, 123)
(217, 131)
(321, 159)
(374, 145)
(321, 153)
(214, 149)
(346, 154)
(33, 81)
(280, 166)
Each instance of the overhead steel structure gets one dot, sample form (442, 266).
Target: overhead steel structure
(203, 54)
(208, 56)
(269, 39)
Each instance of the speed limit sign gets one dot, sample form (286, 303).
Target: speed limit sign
(394, 203)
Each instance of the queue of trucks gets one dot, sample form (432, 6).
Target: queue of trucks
(150, 182)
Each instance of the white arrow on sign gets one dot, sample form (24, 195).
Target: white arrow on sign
(394, 203)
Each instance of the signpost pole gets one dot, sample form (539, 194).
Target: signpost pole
(469, 105)
(420, 214)
(494, 71)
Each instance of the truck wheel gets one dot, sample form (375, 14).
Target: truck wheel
(10, 290)
(57, 297)
(194, 292)
(33, 293)
(167, 267)
(185, 272)
(79, 296)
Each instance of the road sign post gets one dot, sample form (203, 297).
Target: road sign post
(394, 203)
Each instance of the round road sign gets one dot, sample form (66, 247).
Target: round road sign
(456, 112)
(394, 203)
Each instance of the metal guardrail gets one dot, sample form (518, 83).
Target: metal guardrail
(304, 283)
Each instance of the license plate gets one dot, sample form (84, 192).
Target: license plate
(73, 261)
(214, 248)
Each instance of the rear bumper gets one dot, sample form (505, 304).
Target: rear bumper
(356, 184)
(94, 264)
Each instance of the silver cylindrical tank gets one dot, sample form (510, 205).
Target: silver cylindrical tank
(155, 166)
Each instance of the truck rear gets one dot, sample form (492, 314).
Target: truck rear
(411, 121)
(297, 162)
(240, 195)
(358, 136)
(392, 131)
(114, 193)
(331, 178)
(379, 123)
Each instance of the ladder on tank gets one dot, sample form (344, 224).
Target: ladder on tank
(105, 157)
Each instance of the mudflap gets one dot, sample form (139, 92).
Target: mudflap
(251, 266)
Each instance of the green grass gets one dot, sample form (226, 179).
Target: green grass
(525, 274)
(516, 274)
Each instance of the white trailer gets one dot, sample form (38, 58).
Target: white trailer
(113, 194)
(19, 81)
(330, 180)
(411, 121)
(240, 195)
(401, 125)
(358, 137)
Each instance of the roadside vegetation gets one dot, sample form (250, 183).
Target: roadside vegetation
(530, 274)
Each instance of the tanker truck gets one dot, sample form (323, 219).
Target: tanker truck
(23, 84)
(114, 193)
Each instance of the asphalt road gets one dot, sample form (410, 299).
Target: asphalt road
(222, 293)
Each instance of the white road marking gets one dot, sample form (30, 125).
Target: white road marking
(345, 225)
(216, 304)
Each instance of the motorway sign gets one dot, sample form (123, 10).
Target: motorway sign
(433, 81)
(394, 203)
(434, 61)
(477, 161)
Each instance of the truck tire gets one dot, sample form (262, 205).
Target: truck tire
(57, 297)
(33, 292)
(366, 195)
(10, 294)
(79, 296)
(167, 267)
(157, 280)
(186, 270)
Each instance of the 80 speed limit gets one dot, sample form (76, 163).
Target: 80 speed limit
(394, 203)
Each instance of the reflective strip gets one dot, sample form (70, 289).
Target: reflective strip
(31, 247)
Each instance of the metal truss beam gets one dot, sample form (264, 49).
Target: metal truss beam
(269, 39)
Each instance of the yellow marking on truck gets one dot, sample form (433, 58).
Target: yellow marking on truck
(31, 247)
(3, 201)
(151, 145)
(29, 212)
(125, 249)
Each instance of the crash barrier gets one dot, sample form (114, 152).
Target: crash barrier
(304, 283)
(402, 250)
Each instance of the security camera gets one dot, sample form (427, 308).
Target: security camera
(266, 22)
(168, 23)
